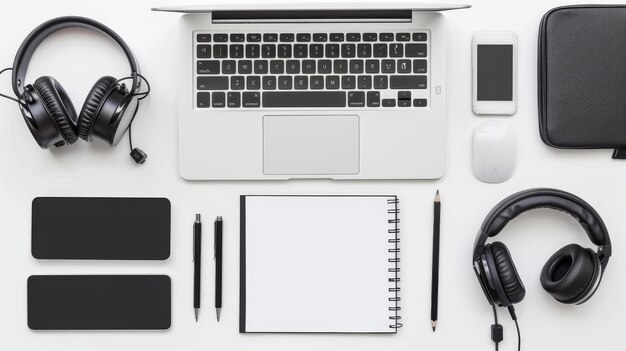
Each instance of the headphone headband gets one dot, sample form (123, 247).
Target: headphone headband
(39, 34)
(520, 202)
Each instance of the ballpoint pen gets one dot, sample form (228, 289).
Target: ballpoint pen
(197, 260)
(218, 266)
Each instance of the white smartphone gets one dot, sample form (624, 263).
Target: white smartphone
(494, 73)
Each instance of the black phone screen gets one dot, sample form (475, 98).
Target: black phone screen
(495, 72)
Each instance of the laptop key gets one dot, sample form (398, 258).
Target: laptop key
(403, 37)
(244, 67)
(348, 82)
(381, 82)
(285, 82)
(229, 67)
(324, 66)
(364, 50)
(269, 82)
(233, 99)
(356, 66)
(396, 50)
(340, 66)
(203, 51)
(277, 67)
(203, 38)
(308, 66)
(419, 66)
(284, 51)
(419, 36)
(220, 51)
(212, 83)
(304, 99)
(253, 37)
(373, 99)
(260, 66)
(404, 66)
(356, 99)
(301, 82)
(300, 51)
(251, 99)
(316, 50)
(268, 50)
(203, 99)
(336, 36)
(353, 37)
(253, 82)
(404, 103)
(220, 38)
(408, 82)
(380, 50)
(404, 95)
(372, 66)
(320, 37)
(332, 82)
(370, 37)
(237, 38)
(420, 103)
(389, 103)
(303, 37)
(332, 50)
(388, 66)
(293, 66)
(386, 36)
(317, 82)
(253, 51)
(270, 37)
(347, 50)
(236, 51)
(219, 99)
(416, 50)
(287, 37)
(364, 82)
(237, 83)
(208, 67)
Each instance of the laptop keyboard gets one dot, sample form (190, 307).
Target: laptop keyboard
(311, 70)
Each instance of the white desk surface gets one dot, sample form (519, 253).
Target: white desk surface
(464, 315)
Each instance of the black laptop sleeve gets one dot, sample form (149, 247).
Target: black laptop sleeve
(582, 78)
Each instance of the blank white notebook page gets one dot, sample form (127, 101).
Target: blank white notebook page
(318, 264)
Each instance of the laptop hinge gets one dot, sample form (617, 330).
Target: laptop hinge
(313, 16)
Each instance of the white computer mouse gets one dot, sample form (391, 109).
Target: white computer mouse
(494, 152)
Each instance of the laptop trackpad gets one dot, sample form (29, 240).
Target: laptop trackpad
(314, 145)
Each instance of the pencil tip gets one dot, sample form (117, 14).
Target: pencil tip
(437, 198)
(217, 311)
(434, 325)
(196, 314)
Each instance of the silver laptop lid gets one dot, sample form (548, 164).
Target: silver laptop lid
(324, 9)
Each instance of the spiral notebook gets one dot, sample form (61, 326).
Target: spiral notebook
(319, 264)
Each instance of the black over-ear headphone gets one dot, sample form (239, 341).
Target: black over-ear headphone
(571, 275)
(109, 108)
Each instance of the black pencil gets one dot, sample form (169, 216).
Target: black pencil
(434, 297)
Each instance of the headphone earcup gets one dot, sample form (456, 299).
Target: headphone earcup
(507, 273)
(93, 102)
(571, 273)
(58, 106)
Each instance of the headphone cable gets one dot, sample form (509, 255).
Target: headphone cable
(6, 96)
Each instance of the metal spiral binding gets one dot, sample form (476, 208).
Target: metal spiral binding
(394, 270)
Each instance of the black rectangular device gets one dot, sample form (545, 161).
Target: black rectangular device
(495, 72)
(99, 302)
(101, 228)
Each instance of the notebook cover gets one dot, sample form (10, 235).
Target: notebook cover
(582, 77)
(394, 259)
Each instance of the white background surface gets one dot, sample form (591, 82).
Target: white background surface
(78, 59)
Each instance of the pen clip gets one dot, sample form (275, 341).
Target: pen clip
(193, 247)
(214, 244)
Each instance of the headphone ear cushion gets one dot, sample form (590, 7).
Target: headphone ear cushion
(94, 99)
(59, 107)
(509, 278)
(570, 274)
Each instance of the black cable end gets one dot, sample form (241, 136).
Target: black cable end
(497, 333)
(512, 313)
(138, 155)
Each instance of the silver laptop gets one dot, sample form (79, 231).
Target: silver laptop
(336, 91)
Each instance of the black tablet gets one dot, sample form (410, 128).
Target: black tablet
(101, 228)
(99, 302)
